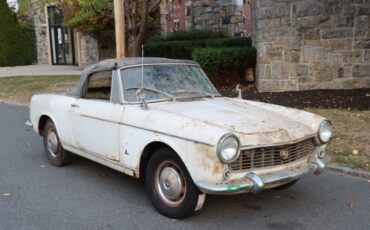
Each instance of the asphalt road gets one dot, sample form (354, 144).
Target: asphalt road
(85, 195)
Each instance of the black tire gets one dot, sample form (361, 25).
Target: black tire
(60, 157)
(188, 199)
(286, 186)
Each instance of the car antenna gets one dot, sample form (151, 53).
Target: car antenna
(142, 66)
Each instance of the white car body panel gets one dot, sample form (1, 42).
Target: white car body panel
(95, 127)
(117, 134)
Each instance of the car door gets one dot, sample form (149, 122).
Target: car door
(96, 116)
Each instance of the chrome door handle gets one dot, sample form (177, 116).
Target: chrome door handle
(75, 106)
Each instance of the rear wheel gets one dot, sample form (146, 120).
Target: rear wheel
(55, 153)
(169, 185)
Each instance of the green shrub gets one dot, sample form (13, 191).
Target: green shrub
(182, 49)
(217, 60)
(173, 49)
(193, 35)
(16, 43)
(229, 42)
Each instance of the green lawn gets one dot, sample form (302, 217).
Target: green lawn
(20, 89)
(351, 143)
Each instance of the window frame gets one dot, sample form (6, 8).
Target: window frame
(113, 75)
(155, 64)
(116, 78)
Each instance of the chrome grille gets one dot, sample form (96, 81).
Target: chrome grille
(271, 156)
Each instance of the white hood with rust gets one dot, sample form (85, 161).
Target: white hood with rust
(254, 123)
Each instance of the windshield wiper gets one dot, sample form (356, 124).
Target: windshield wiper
(193, 91)
(151, 90)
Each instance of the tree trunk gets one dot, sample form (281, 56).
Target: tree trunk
(136, 36)
(133, 47)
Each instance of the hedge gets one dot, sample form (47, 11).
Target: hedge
(16, 43)
(215, 60)
(229, 42)
(173, 49)
(193, 35)
(183, 49)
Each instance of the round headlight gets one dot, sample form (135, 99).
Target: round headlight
(228, 148)
(325, 131)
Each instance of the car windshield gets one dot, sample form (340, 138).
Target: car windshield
(162, 82)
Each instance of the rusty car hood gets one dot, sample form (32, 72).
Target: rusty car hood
(233, 116)
(249, 119)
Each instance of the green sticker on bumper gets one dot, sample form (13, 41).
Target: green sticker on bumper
(233, 188)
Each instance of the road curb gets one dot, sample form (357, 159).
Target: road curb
(352, 172)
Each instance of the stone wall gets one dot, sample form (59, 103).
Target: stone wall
(89, 50)
(217, 15)
(312, 44)
(36, 12)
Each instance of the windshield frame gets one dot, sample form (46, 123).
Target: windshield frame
(163, 99)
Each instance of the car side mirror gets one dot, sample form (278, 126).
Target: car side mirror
(238, 90)
(140, 96)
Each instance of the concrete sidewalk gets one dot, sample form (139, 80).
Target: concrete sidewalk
(36, 70)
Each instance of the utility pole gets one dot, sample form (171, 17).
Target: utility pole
(119, 18)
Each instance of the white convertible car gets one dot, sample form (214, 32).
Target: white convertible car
(162, 120)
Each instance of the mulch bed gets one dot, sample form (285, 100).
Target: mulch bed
(352, 99)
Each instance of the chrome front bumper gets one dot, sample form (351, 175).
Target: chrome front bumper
(254, 182)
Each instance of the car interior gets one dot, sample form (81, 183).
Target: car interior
(99, 86)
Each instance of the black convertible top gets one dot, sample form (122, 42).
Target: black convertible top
(110, 64)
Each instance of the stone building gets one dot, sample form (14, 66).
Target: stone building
(232, 17)
(311, 44)
(57, 45)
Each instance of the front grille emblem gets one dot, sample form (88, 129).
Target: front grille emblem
(284, 154)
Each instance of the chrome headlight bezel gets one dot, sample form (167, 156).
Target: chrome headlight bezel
(327, 125)
(219, 148)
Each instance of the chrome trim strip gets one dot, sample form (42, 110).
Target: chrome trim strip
(154, 64)
(166, 134)
(99, 119)
(151, 130)
(99, 156)
(278, 144)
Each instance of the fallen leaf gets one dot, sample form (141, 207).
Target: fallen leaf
(277, 196)
(351, 204)
(103, 174)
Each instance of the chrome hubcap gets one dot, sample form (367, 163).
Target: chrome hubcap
(53, 143)
(170, 184)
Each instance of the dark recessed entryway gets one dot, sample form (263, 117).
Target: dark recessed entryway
(62, 41)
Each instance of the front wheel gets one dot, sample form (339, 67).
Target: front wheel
(55, 153)
(170, 187)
